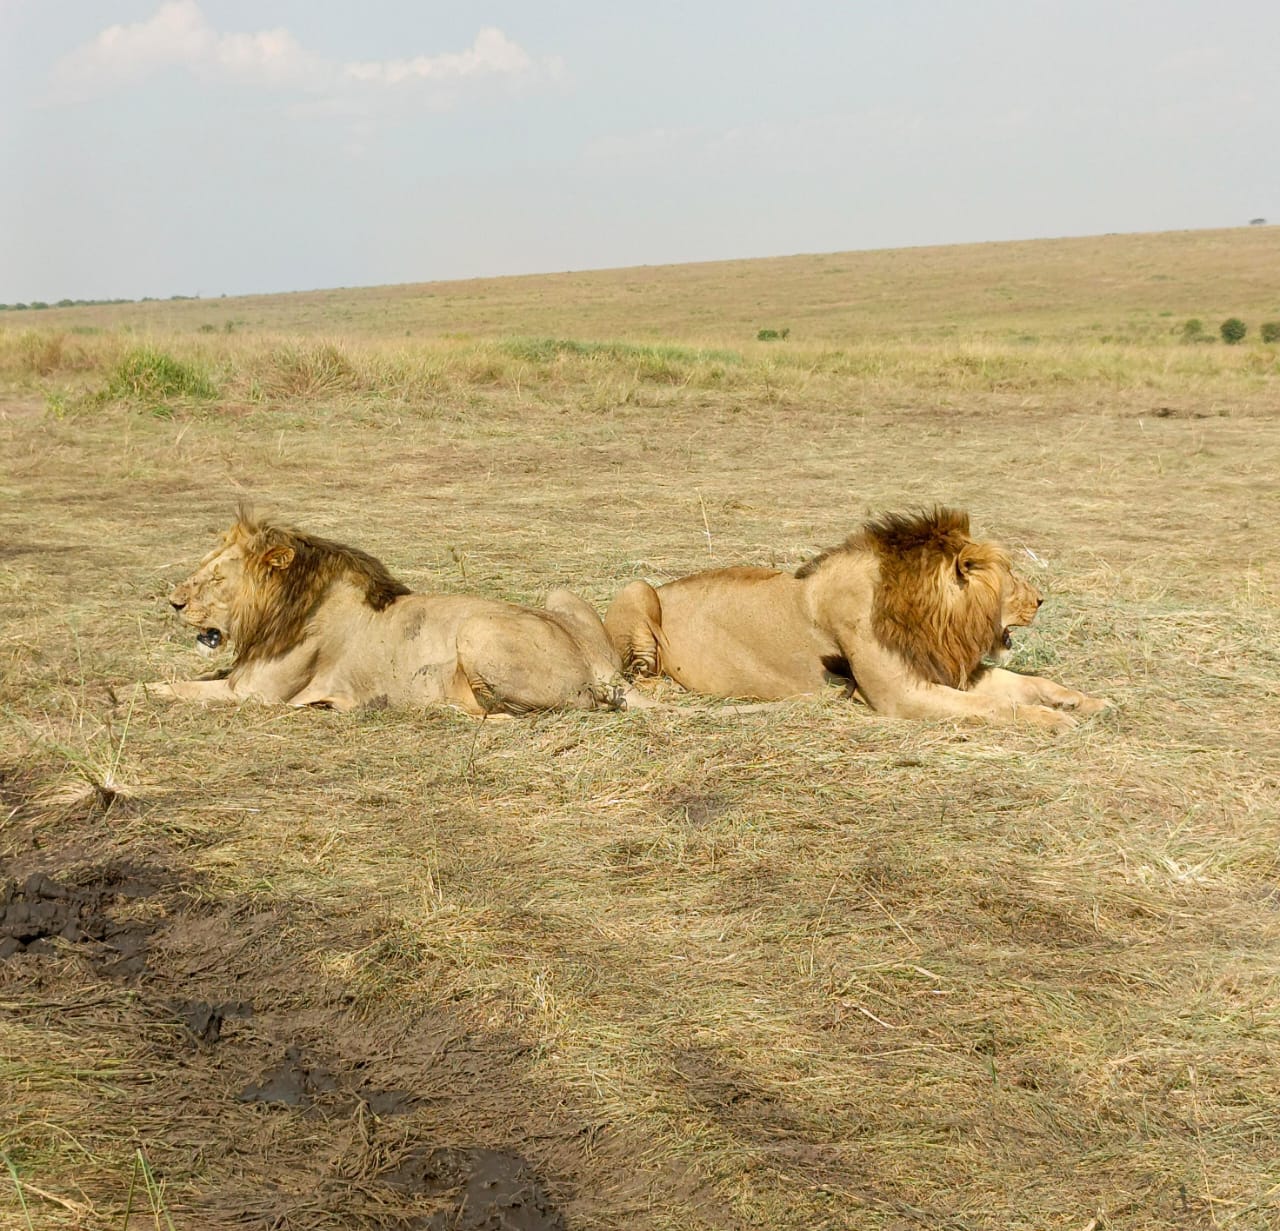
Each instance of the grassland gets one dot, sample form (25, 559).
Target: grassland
(681, 968)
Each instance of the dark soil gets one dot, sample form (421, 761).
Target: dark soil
(292, 1083)
(39, 912)
(489, 1190)
(205, 1020)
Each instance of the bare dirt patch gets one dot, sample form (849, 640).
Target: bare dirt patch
(205, 1020)
(487, 1190)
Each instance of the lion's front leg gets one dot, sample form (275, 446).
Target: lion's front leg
(890, 687)
(205, 691)
(1009, 686)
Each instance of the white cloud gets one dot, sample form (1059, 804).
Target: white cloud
(491, 53)
(178, 35)
(272, 57)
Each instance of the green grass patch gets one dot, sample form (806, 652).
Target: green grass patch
(145, 374)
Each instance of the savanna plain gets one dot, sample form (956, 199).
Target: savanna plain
(686, 967)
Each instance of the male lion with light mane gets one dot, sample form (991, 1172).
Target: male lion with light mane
(317, 623)
(903, 613)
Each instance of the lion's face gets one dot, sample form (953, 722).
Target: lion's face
(206, 599)
(1020, 602)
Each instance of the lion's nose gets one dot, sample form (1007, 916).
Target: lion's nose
(1039, 602)
(177, 604)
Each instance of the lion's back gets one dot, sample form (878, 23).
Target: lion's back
(740, 632)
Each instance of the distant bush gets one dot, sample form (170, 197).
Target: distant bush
(1233, 330)
(1270, 331)
(772, 335)
(62, 303)
(1192, 330)
(146, 374)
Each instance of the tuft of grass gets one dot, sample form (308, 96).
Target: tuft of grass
(309, 369)
(43, 352)
(1233, 330)
(148, 375)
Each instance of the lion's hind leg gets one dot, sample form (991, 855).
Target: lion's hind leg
(518, 662)
(634, 625)
(580, 618)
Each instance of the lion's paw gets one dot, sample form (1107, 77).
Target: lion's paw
(610, 696)
(1047, 719)
(1094, 705)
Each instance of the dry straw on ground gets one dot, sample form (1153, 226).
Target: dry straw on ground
(673, 969)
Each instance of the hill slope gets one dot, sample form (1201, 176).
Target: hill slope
(1054, 289)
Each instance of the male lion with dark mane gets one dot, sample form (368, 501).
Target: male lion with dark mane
(903, 613)
(317, 623)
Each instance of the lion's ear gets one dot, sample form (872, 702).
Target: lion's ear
(975, 559)
(966, 564)
(279, 556)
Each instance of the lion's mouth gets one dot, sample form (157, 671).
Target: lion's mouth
(209, 639)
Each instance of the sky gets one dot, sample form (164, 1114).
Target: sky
(208, 147)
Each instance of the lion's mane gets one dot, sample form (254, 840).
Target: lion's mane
(273, 608)
(938, 601)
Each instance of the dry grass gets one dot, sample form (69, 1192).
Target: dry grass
(800, 968)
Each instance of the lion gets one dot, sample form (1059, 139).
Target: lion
(902, 614)
(316, 623)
